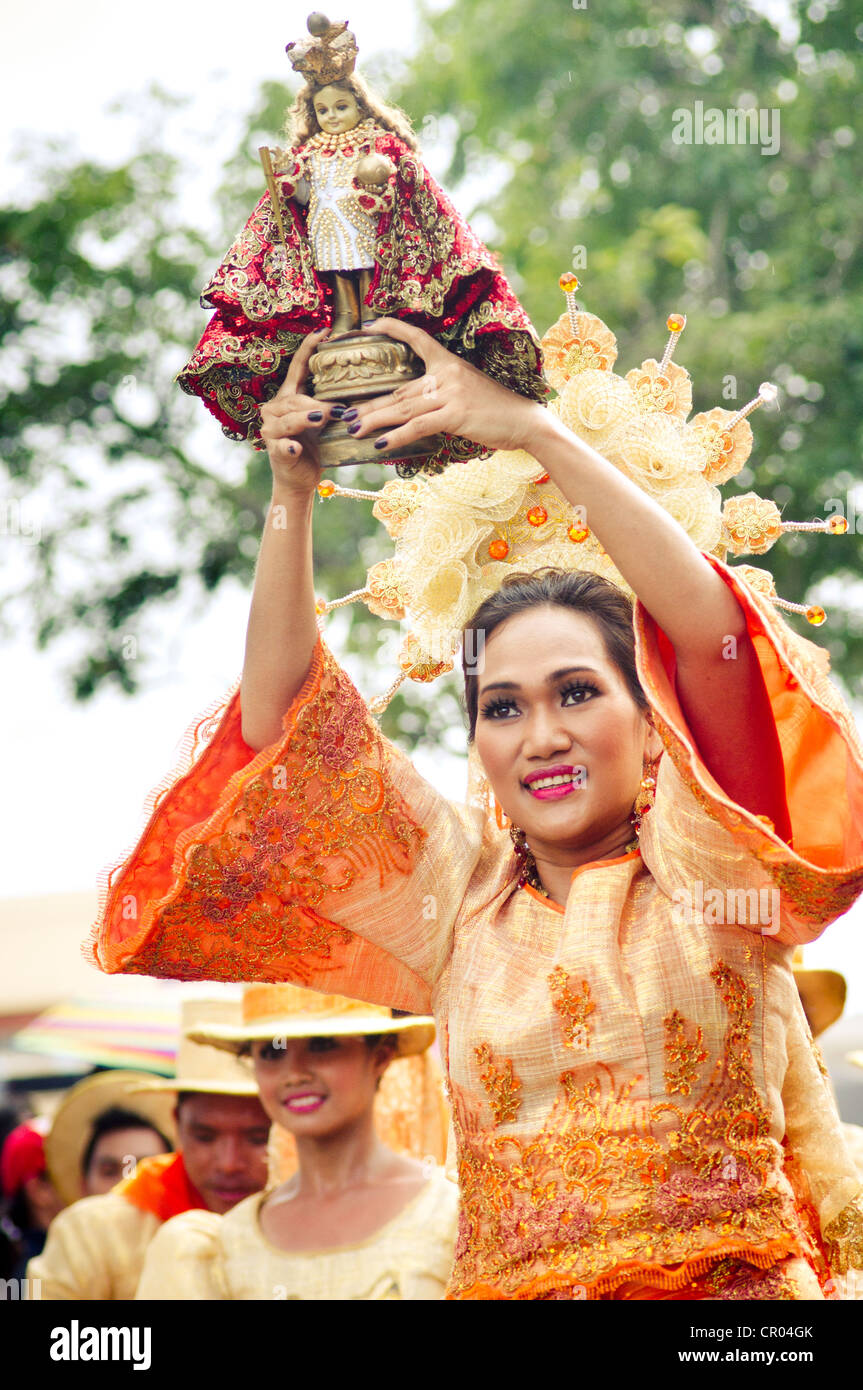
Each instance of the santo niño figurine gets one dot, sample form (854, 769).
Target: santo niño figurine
(352, 227)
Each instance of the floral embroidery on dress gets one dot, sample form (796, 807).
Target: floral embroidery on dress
(684, 1053)
(501, 1084)
(573, 1005)
(615, 1183)
(736, 1279)
(306, 825)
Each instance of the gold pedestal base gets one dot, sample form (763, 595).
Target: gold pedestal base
(357, 366)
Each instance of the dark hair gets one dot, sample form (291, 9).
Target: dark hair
(112, 1120)
(597, 598)
(371, 1040)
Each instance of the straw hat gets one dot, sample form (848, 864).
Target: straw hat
(206, 1069)
(822, 993)
(287, 1011)
(72, 1125)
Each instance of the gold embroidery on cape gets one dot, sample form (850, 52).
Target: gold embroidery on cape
(573, 1005)
(684, 1053)
(611, 1180)
(501, 1084)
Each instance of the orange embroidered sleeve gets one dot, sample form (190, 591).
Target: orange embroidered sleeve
(819, 873)
(309, 861)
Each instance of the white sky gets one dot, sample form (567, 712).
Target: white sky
(75, 777)
(61, 66)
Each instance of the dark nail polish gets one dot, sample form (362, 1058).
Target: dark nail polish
(355, 427)
(350, 414)
(381, 443)
(316, 416)
(337, 412)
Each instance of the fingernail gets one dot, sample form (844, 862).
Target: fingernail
(292, 449)
(337, 412)
(381, 443)
(350, 414)
(355, 427)
(315, 416)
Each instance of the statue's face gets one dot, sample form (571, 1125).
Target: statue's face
(336, 109)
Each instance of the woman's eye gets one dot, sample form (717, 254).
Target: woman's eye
(322, 1044)
(584, 692)
(497, 709)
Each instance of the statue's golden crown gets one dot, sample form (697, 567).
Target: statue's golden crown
(328, 56)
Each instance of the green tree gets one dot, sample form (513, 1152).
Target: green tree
(559, 129)
(566, 121)
(120, 491)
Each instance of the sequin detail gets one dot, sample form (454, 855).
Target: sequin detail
(300, 823)
(611, 1182)
(732, 1279)
(684, 1053)
(501, 1084)
(573, 1005)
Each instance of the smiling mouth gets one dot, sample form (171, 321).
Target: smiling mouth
(304, 1105)
(555, 785)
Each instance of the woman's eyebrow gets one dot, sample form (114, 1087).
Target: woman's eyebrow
(549, 680)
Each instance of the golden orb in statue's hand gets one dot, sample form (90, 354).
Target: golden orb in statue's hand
(374, 169)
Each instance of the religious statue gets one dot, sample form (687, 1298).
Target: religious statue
(352, 227)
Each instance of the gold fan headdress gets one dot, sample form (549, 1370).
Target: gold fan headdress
(456, 536)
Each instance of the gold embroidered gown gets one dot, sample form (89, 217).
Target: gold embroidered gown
(637, 1104)
(202, 1256)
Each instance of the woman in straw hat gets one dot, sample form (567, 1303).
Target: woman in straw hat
(348, 1216)
(613, 986)
(210, 1109)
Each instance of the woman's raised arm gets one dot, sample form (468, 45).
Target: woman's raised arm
(724, 701)
(282, 629)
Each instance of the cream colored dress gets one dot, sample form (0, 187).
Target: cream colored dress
(203, 1256)
(95, 1250)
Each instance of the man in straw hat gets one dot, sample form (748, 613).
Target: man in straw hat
(96, 1247)
(102, 1129)
(358, 1206)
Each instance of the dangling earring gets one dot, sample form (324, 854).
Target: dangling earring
(528, 873)
(644, 800)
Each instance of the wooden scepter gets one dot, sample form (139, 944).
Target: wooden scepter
(266, 161)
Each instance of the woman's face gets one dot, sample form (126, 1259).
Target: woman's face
(552, 701)
(336, 109)
(314, 1087)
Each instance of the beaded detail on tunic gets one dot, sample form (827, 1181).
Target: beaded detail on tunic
(342, 233)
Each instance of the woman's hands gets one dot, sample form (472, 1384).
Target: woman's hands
(291, 423)
(452, 398)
